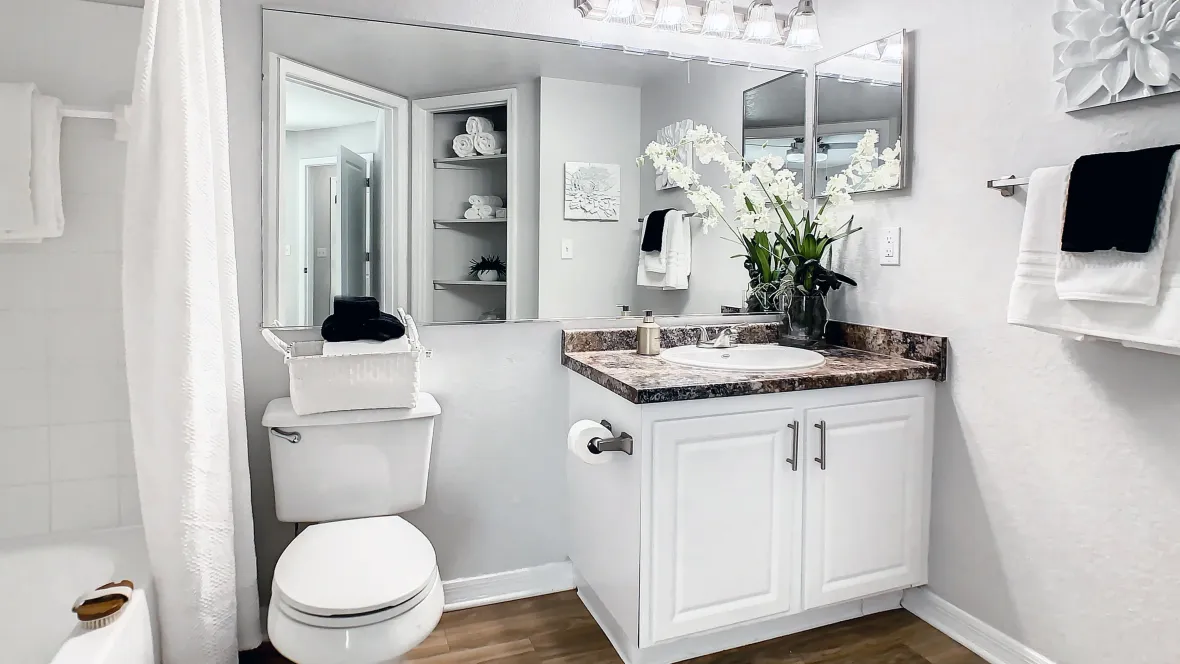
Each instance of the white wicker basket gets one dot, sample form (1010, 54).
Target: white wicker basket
(321, 384)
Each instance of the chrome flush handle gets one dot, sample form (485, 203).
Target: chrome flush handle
(289, 436)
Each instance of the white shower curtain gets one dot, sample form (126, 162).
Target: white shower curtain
(184, 353)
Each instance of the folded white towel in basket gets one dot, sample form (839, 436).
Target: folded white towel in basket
(494, 201)
(477, 124)
(337, 348)
(490, 142)
(464, 146)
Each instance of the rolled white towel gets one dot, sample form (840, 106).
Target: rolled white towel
(490, 142)
(464, 146)
(471, 213)
(477, 125)
(494, 201)
(484, 211)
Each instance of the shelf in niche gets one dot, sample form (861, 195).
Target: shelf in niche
(440, 223)
(469, 162)
(441, 284)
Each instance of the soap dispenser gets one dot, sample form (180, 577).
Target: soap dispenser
(648, 334)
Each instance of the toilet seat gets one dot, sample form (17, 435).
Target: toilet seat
(355, 573)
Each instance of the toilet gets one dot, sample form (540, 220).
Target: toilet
(361, 585)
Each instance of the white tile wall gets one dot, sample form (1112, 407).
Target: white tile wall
(65, 443)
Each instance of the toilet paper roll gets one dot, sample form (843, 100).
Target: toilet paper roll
(579, 437)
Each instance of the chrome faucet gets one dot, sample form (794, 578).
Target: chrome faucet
(727, 338)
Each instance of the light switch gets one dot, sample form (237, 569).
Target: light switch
(891, 246)
(567, 249)
(286, 250)
(321, 252)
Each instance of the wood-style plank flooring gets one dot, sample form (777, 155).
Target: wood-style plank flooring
(557, 629)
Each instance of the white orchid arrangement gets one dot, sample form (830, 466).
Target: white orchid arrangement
(784, 244)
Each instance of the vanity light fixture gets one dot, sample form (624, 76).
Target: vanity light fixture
(762, 24)
(803, 28)
(720, 21)
(672, 16)
(624, 12)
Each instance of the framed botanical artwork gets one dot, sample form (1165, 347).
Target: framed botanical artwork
(671, 135)
(592, 191)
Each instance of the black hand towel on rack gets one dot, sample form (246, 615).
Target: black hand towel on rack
(1114, 200)
(653, 232)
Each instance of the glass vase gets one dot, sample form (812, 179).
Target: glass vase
(805, 319)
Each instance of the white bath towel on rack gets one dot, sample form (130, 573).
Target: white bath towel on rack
(16, 144)
(1034, 302)
(477, 125)
(490, 142)
(1119, 276)
(463, 145)
(48, 215)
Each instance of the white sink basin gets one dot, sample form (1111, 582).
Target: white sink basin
(751, 358)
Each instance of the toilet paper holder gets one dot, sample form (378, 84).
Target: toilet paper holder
(622, 443)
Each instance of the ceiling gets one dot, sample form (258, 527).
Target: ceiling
(309, 108)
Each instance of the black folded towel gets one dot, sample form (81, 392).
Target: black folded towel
(653, 232)
(1114, 200)
(360, 318)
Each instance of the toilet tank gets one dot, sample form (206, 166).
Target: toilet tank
(349, 464)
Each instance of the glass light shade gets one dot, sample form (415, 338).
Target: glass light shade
(672, 16)
(720, 21)
(803, 34)
(624, 12)
(762, 24)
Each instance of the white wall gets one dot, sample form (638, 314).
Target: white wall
(65, 444)
(1056, 501)
(712, 96)
(593, 123)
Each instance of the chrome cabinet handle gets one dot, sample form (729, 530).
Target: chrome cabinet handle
(794, 460)
(822, 459)
(290, 436)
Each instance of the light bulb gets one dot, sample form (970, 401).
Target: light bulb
(624, 12)
(762, 24)
(720, 20)
(672, 16)
(803, 34)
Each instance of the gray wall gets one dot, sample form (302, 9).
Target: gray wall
(595, 123)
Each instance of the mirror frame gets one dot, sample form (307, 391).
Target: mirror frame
(907, 83)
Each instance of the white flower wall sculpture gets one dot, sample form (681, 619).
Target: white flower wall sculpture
(1115, 50)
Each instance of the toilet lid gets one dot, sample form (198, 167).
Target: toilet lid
(350, 567)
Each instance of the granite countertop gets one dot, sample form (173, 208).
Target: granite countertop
(855, 354)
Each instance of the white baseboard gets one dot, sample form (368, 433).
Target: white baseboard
(977, 636)
(507, 586)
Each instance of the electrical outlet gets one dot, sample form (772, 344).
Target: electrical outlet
(321, 252)
(567, 249)
(891, 246)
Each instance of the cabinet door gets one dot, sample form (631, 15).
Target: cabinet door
(725, 523)
(866, 490)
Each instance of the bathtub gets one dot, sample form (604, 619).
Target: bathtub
(42, 577)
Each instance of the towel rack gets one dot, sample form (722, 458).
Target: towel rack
(118, 115)
(1008, 185)
(687, 216)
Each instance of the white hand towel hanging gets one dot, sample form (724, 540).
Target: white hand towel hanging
(48, 214)
(675, 256)
(16, 146)
(1034, 302)
(490, 142)
(479, 125)
(1119, 276)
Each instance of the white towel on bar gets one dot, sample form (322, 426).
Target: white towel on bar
(16, 148)
(490, 142)
(46, 174)
(463, 145)
(1034, 302)
(676, 254)
(494, 201)
(1119, 276)
(478, 125)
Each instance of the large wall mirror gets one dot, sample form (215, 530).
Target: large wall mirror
(380, 182)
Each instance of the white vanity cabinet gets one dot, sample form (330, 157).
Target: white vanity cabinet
(745, 518)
